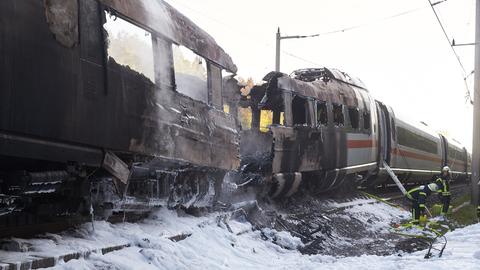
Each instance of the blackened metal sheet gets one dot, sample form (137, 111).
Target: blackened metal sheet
(51, 94)
(167, 21)
(333, 90)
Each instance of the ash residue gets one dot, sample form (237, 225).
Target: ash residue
(352, 226)
(337, 223)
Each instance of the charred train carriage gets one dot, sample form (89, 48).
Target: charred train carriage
(108, 99)
(323, 126)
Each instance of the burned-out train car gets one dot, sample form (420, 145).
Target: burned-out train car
(111, 89)
(323, 126)
(323, 130)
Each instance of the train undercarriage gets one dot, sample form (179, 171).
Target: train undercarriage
(37, 196)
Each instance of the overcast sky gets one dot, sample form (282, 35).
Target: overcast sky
(405, 61)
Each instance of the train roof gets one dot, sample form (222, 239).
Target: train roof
(325, 85)
(165, 20)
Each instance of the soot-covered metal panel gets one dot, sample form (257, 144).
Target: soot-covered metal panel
(333, 91)
(56, 93)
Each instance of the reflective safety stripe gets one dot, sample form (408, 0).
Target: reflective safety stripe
(443, 183)
(413, 190)
(422, 205)
(423, 193)
(446, 193)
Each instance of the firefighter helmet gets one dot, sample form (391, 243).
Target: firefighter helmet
(446, 169)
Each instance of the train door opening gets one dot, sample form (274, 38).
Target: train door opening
(444, 150)
(385, 132)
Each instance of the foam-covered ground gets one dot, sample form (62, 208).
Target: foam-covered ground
(217, 242)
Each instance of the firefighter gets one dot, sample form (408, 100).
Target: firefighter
(478, 213)
(443, 183)
(418, 197)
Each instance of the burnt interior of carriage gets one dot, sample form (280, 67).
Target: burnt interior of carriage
(74, 101)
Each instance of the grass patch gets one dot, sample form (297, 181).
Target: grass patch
(466, 215)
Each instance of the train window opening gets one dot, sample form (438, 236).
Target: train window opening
(245, 116)
(456, 154)
(129, 45)
(366, 120)
(338, 118)
(354, 115)
(230, 92)
(226, 108)
(410, 139)
(266, 119)
(278, 118)
(322, 118)
(191, 76)
(215, 89)
(299, 110)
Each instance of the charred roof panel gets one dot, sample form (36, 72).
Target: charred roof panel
(326, 75)
(333, 91)
(165, 20)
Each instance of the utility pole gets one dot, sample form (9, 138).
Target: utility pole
(277, 46)
(476, 112)
(277, 51)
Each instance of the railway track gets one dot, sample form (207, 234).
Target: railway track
(389, 195)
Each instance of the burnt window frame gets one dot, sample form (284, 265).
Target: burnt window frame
(174, 75)
(341, 123)
(108, 11)
(248, 125)
(367, 121)
(354, 110)
(266, 128)
(306, 110)
(318, 120)
(226, 103)
(210, 84)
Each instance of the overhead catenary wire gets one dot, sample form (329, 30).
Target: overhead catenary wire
(464, 72)
(354, 27)
(267, 44)
(337, 31)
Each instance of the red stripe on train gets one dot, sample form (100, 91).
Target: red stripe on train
(409, 154)
(360, 143)
(395, 151)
